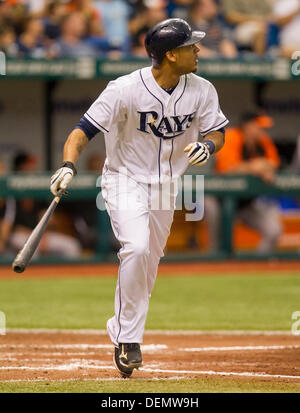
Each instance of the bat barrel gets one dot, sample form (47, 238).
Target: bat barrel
(18, 267)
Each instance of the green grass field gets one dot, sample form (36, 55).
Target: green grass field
(201, 385)
(207, 302)
(245, 302)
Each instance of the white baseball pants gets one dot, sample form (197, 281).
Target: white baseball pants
(142, 232)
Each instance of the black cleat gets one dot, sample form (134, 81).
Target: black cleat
(124, 371)
(130, 355)
(127, 357)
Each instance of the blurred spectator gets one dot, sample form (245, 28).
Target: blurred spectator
(248, 150)
(23, 162)
(54, 14)
(2, 168)
(85, 213)
(5, 15)
(24, 215)
(115, 15)
(8, 41)
(12, 14)
(203, 16)
(250, 21)
(117, 28)
(15, 212)
(147, 16)
(287, 17)
(178, 8)
(91, 15)
(31, 42)
(7, 213)
(295, 165)
(36, 8)
(72, 42)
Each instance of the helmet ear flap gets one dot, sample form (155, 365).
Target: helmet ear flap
(154, 52)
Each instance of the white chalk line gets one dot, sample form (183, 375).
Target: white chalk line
(150, 332)
(62, 367)
(145, 348)
(222, 373)
(42, 379)
(62, 346)
(240, 348)
(77, 365)
(74, 366)
(50, 360)
(54, 354)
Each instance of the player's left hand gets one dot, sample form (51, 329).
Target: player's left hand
(198, 153)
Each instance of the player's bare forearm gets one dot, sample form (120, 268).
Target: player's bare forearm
(218, 139)
(75, 144)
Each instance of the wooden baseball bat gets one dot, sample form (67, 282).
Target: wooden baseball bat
(25, 254)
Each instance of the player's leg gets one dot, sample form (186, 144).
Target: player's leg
(160, 222)
(128, 210)
(161, 213)
(131, 228)
(131, 301)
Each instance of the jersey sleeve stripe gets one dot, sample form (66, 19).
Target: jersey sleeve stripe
(87, 127)
(220, 125)
(98, 124)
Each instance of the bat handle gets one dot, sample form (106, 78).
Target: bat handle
(59, 194)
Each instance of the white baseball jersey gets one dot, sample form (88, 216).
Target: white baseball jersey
(146, 129)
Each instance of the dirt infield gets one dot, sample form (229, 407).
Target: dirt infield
(190, 268)
(63, 355)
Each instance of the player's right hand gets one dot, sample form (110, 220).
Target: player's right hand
(62, 177)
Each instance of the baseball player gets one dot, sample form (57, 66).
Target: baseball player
(149, 119)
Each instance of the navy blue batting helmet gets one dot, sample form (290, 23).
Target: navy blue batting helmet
(168, 35)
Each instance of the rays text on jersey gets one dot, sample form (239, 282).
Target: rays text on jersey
(166, 127)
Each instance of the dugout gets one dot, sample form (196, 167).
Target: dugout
(40, 102)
